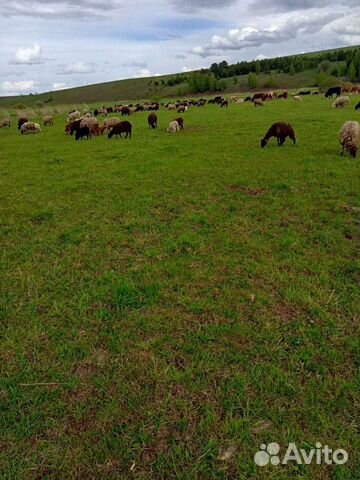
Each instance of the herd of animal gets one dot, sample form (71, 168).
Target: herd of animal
(87, 125)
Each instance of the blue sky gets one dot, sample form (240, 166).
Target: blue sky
(54, 44)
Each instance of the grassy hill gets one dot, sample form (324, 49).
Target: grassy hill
(152, 88)
(171, 302)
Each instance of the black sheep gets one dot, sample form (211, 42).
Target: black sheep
(82, 132)
(122, 127)
(357, 106)
(281, 131)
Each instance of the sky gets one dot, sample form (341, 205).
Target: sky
(48, 45)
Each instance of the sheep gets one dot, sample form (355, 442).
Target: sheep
(73, 116)
(240, 100)
(224, 103)
(88, 115)
(173, 127)
(180, 121)
(125, 111)
(258, 102)
(357, 106)
(297, 98)
(171, 106)
(92, 123)
(350, 137)
(111, 122)
(281, 131)
(122, 127)
(153, 120)
(181, 109)
(48, 121)
(30, 128)
(82, 132)
(283, 95)
(21, 122)
(5, 123)
(340, 102)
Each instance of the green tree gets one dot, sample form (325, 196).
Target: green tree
(352, 74)
(292, 70)
(252, 80)
(235, 80)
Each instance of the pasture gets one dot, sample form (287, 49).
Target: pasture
(172, 302)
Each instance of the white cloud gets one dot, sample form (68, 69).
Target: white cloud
(18, 87)
(143, 73)
(59, 85)
(28, 56)
(76, 68)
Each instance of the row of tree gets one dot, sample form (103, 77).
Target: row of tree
(350, 59)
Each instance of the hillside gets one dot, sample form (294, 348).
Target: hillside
(157, 87)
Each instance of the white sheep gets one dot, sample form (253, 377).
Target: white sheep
(5, 123)
(73, 116)
(349, 137)
(48, 121)
(340, 102)
(297, 98)
(171, 106)
(111, 122)
(29, 128)
(173, 127)
(258, 102)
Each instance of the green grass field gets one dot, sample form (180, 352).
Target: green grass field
(172, 302)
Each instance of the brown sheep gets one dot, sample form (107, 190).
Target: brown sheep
(180, 121)
(281, 131)
(153, 120)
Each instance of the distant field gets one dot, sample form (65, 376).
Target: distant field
(172, 302)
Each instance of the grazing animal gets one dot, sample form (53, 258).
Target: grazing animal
(96, 112)
(180, 121)
(5, 123)
(30, 128)
(21, 122)
(181, 109)
(340, 102)
(357, 106)
(350, 138)
(171, 106)
(258, 102)
(152, 120)
(125, 111)
(239, 100)
(73, 116)
(111, 122)
(247, 99)
(333, 91)
(297, 98)
(173, 127)
(281, 131)
(82, 132)
(306, 92)
(259, 96)
(48, 121)
(283, 95)
(224, 103)
(315, 93)
(122, 127)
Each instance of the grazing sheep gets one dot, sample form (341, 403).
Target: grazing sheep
(30, 128)
(350, 138)
(88, 115)
(283, 95)
(21, 122)
(90, 122)
(82, 132)
(122, 127)
(247, 99)
(240, 100)
(181, 109)
(111, 122)
(173, 127)
(297, 98)
(333, 91)
(73, 116)
(180, 122)
(5, 123)
(125, 111)
(340, 102)
(281, 131)
(357, 106)
(153, 120)
(258, 102)
(171, 106)
(48, 121)
(224, 103)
